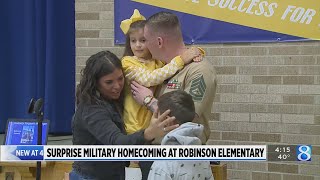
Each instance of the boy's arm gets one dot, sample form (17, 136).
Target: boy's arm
(155, 77)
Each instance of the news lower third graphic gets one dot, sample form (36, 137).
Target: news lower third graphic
(130, 153)
(147, 153)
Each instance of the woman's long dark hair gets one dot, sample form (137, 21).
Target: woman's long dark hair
(97, 66)
(135, 26)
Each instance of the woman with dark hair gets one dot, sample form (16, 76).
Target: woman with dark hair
(98, 117)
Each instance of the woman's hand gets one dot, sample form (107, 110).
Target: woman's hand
(160, 125)
(139, 92)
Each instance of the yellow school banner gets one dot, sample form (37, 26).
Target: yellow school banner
(293, 17)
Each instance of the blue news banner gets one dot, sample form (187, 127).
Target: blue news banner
(22, 153)
(127, 153)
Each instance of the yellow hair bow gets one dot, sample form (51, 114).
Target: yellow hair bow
(125, 24)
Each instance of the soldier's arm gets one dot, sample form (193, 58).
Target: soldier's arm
(140, 93)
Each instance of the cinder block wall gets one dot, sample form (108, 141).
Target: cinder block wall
(268, 93)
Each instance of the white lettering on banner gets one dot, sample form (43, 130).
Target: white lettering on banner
(264, 8)
(297, 18)
(299, 13)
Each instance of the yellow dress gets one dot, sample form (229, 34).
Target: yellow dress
(149, 73)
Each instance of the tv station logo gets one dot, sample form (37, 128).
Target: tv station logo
(289, 152)
(303, 152)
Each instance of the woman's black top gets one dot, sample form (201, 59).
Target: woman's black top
(101, 125)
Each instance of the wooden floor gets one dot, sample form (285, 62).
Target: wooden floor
(27, 171)
(57, 170)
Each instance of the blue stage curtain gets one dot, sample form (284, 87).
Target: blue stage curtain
(37, 60)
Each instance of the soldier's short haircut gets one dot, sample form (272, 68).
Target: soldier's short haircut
(180, 104)
(165, 22)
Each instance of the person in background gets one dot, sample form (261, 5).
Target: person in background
(98, 117)
(182, 108)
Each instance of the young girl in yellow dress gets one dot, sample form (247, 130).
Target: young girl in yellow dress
(138, 65)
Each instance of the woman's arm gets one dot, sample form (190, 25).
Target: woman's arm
(102, 127)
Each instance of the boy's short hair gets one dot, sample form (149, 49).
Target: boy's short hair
(180, 104)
